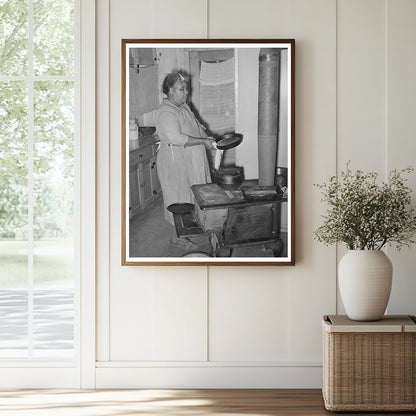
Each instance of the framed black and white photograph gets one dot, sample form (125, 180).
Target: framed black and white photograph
(208, 152)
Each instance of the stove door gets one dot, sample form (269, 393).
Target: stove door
(250, 224)
(187, 225)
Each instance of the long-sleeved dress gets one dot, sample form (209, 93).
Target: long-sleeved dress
(179, 167)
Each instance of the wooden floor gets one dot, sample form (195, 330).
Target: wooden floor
(165, 402)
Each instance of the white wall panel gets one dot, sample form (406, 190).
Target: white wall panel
(149, 19)
(180, 19)
(361, 84)
(248, 19)
(401, 143)
(131, 317)
(179, 309)
(248, 315)
(160, 317)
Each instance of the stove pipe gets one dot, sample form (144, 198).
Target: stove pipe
(268, 116)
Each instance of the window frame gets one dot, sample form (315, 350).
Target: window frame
(81, 371)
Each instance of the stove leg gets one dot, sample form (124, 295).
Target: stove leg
(224, 252)
(213, 241)
(276, 247)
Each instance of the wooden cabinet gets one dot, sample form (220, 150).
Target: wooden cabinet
(144, 185)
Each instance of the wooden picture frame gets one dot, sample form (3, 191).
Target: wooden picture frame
(185, 201)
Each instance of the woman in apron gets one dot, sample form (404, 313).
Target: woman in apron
(181, 160)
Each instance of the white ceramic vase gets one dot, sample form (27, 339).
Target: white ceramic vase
(364, 278)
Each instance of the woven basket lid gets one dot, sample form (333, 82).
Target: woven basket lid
(389, 323)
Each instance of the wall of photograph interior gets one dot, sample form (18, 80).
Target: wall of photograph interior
(255, 326)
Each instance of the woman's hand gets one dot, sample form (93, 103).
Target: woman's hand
(210, 143)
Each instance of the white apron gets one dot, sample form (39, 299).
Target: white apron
(178, 167)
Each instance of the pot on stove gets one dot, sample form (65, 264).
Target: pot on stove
(230, 177)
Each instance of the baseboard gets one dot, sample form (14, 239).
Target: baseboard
(209, 377)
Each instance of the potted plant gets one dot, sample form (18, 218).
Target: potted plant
(366, 215)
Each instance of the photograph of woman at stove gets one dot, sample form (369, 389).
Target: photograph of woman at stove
(208, 155)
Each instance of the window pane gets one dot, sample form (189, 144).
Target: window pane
(53, 320)
(53, 174)
(53, 197)
(13, 160)
(53, 37)
(13, 37)
(13, 219)
(14, 321)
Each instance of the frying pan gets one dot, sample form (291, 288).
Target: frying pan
(180, 208)
(229, 140)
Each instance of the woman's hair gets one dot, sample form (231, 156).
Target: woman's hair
(170, 80)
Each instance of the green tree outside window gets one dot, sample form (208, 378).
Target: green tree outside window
(36, 60)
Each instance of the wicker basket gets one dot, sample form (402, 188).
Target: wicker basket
(369, 366)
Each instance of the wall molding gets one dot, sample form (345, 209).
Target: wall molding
(204, 364)
(209, 376)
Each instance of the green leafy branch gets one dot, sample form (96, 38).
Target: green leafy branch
(364, 214)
